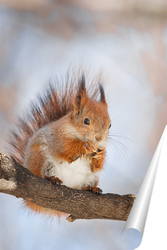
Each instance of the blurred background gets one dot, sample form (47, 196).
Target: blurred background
(126, 43)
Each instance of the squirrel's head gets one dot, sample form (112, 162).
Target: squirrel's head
(90, 118)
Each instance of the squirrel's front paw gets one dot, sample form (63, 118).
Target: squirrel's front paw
(100, 153)
(90, 148)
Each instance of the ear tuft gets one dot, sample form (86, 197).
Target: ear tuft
(81, 85)
(81, 98)
(102, 95)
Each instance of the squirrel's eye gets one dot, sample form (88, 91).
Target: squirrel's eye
(86, 121)
(110, 125)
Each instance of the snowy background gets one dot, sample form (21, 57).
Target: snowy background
(127, 43)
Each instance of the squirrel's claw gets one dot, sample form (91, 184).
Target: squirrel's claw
(95, 190)
(100, 153)
(90, 148)
(54, 180)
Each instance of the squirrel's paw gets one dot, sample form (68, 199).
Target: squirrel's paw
(54, 180)
(100, 153)
(95, 190)
(90, 148)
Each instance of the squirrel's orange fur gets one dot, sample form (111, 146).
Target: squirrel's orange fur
(64, 136)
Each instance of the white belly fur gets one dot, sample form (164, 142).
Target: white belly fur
(75, 175)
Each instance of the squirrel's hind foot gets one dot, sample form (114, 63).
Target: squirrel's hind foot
(95, 190)
(54, 180)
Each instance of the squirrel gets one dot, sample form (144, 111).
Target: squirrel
(63, 137)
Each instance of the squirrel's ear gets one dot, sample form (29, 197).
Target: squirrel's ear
(81, 98)
(102, 96)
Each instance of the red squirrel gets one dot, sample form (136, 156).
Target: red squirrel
(64, 137)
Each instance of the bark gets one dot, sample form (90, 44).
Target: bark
(20, 182)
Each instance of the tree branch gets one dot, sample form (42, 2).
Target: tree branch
(20, 182)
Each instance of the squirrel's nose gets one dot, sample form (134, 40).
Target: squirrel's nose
(98, 138)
